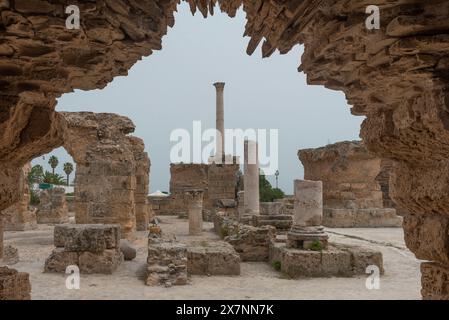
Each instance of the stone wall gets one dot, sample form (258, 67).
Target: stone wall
(52, 208)
(219, 182)
(14, 285)
(20, 217)
(112, 170)
(352, 194)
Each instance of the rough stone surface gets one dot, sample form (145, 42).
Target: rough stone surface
(128, 251)
(14, 285)
(251, 243)
(10, 256)
(435, 281)
(20, 217)
(344, 261)
(212, 258)
(395, 76)
(355, 185)
(167, 262)
(93, 248)
(52, 208)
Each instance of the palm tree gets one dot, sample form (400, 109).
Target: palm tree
(68, 169)
(53, 178)
(53, 162)
(35, 175)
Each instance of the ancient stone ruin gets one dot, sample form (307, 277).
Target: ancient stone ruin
(112, 170)
(352, 194)
(20, 217)
(306, 251)
(52, 208)
(93, 248)
(395, 76)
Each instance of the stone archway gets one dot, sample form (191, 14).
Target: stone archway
(395, 76)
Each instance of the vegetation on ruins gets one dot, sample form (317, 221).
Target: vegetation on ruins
(53, 178)
(266, 190)
(316, 246)
(277, 265)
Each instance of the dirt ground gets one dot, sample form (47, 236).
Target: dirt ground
(257, 280)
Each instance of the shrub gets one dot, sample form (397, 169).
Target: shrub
(277, 265)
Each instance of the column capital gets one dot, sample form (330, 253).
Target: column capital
(219, 85)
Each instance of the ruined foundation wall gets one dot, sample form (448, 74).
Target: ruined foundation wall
(352, 189)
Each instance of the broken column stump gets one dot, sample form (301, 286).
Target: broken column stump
(93, 248)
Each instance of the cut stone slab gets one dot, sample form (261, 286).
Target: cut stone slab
(10, 256)
(14, 285)
(87, 237)
(212, 258)
(105, 262)
(129, 252)
(336, 261)
(361, 218)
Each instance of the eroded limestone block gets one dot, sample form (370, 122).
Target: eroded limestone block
(361, 218)
(434, 281)
(336, 260)
(271, 208)
(129, 252)
(212, 258)
(167, 262)
(52, 208)
(93, 248)
(90, 237)
(14, 285)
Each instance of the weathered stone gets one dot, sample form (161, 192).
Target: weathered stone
(212, 258)
(343, 261)
(251, 180)
(128, 251)
(435, 281)
(20, 216)
(10, 256)
(14, 285)
(167, 262)
(195, 211)
(52, 208)
(93, 238)
(398, 87)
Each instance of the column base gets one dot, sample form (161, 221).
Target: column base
(307, 238)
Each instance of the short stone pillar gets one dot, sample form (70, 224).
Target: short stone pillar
(251, 179)
(307, 232)
(194, 199)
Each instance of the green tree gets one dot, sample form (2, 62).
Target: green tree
(266, 192)
(53, 178)
(68, 169)
(36, 174)
(53, 162)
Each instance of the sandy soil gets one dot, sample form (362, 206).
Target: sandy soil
(257, 280)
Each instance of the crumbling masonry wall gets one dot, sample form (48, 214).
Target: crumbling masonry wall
(352, 194)
(107, 169)
(395, 76)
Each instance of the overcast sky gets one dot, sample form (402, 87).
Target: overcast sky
(173, 87)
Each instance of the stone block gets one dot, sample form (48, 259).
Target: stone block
(361, 218)
(14, 285)
(90, 237)
(336, 260)
(212, 258)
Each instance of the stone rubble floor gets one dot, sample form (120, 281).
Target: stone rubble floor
(257, 280)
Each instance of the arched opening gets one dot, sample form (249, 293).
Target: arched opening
(393, 76)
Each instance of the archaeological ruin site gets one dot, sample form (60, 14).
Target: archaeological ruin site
(375, 207)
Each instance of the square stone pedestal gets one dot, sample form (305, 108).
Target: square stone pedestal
(212, 258)
(335, 261)
(93, 248)
(307, 237)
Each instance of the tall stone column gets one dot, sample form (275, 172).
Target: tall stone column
(251, 179)
(307, 216)
(195, 208)
(220, 120)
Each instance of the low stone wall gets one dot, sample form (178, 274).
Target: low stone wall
(251, 243)
(361, 218)
(93, 248)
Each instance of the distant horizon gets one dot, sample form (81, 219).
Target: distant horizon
(173, 87)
